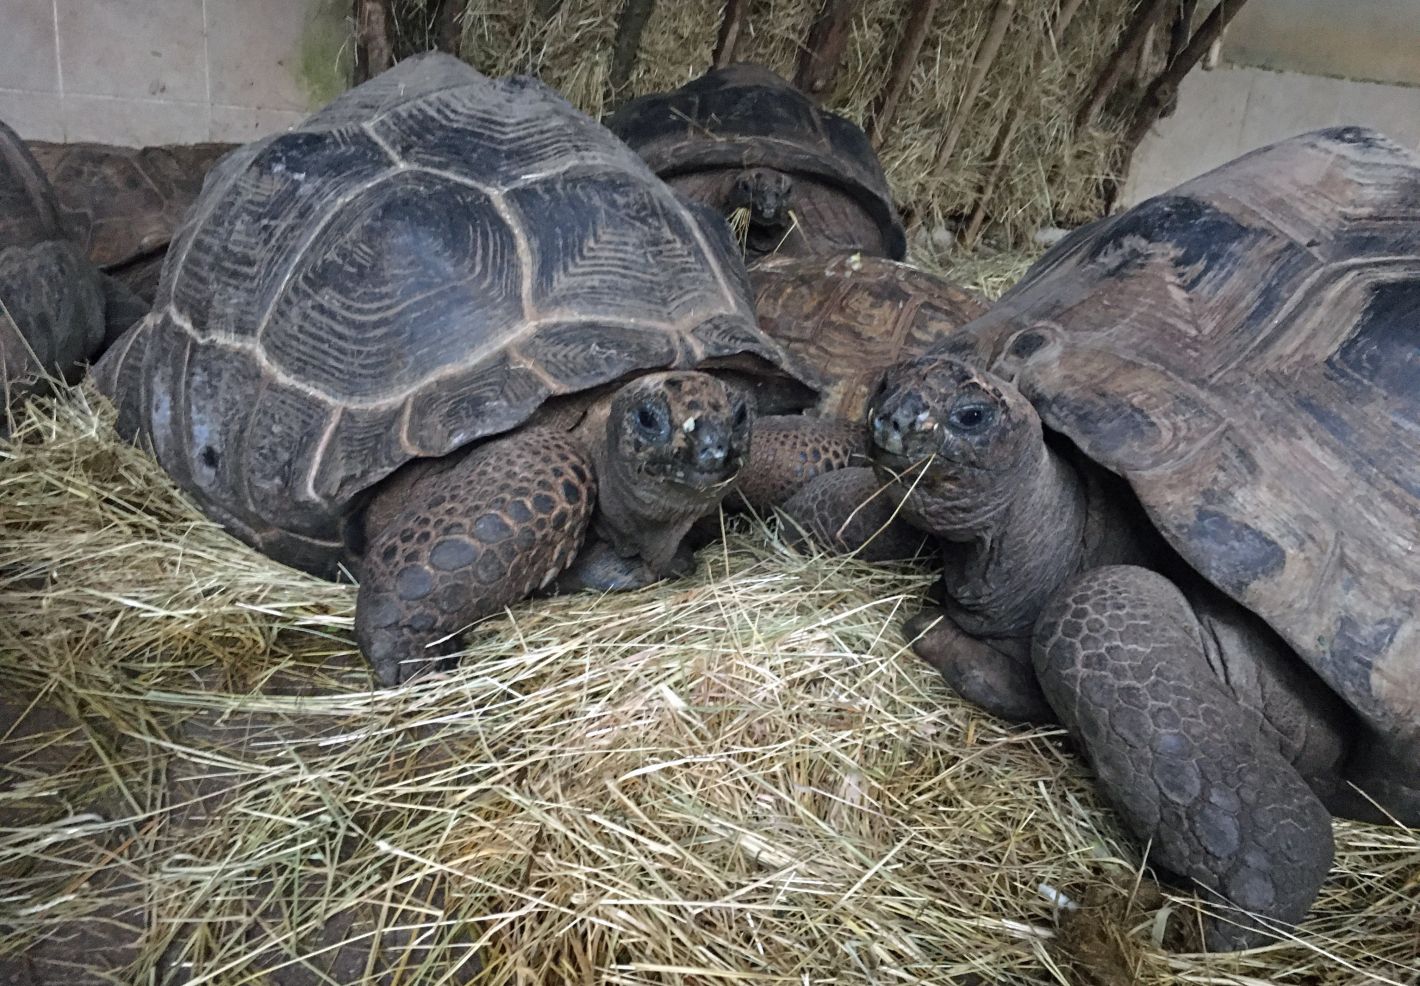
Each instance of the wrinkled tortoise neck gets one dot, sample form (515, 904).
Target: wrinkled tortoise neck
(1005, 566)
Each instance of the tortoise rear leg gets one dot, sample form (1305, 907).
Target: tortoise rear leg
(1122, 658)
(465, 540)
(845, 512)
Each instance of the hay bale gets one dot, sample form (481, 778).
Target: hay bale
(1052, 175)
(740, 777)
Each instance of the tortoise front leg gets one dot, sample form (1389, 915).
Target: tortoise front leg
(788, 451)
(1121, 657)
(459, 542)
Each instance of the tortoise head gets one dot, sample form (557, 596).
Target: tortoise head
(766, 194)
(951, 442)
(681, 436)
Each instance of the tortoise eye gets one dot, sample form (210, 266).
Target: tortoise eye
(653, 421)
(971, 417)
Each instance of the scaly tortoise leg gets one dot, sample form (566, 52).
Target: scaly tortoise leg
(1121, 657)
(460, 542)
(787, 451)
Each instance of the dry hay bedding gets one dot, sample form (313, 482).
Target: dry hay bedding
(736, 778)
(1051, 174)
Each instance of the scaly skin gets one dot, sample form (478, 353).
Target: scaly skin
(1120, 657)
(790, 451)
(475, 537)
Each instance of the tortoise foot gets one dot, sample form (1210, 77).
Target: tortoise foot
(465, 542)
(997, 677)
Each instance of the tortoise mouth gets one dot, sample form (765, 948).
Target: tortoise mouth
(704, 480)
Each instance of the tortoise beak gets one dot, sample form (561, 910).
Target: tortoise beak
(903, 427)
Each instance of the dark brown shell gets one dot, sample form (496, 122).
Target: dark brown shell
(746, 116)
(1245, 351)
(51, 302)
(29, 213)
(421, 264)
(124, 202)
(848, 318)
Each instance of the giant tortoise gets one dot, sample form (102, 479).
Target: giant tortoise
(56, 308)
(123, 203)
(439, 332)
(1175, 473)
(798, 178)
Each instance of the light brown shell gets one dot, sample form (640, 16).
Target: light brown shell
(1245, 351)
(121, 203)
(848, 318)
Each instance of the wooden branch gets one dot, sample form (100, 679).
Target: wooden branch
(448, 26)
(999, 156)
(730, 27)
(1146, 15)
(373, 51)
(904, 60)
(981, 65)
(818, 62)
(1163, 90)
(1178, 34)
(629, 28)
(1000, 150)
(1067, 13)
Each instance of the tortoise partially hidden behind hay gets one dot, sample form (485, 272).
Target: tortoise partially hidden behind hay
(1244, 353)
(793, 177)
(419, 335)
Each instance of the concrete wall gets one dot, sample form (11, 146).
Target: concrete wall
(1373, 40)
(1231, 110)
(157, 71)
(1289, 66)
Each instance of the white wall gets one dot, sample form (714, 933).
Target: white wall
(156, 71)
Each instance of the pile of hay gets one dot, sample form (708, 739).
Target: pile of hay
(736, 778)
(1051, 174)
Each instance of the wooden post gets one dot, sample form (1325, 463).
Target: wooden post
(1164, 88)
(981, 65)
(629, 28)
(1006, 135)
(999, 152)
(1148, 13)
(904, 60)
(373, 52)
(448, 26)
(1182, 26)
(824, 48)
(1068, 9)
(729, 37)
